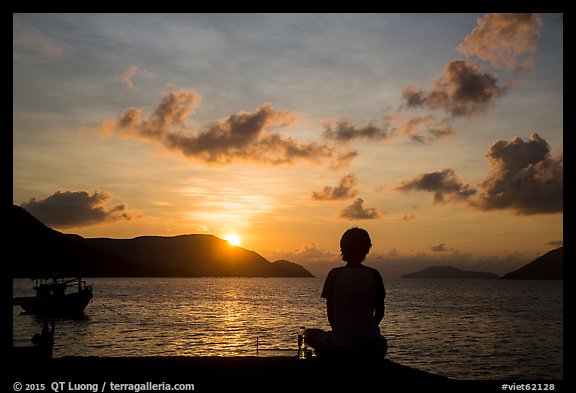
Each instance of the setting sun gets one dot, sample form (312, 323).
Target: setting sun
(169, 198)
(232, 239)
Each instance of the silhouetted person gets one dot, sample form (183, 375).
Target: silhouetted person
(46, 338)
(354, 296)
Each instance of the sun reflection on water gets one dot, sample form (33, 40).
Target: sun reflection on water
(495, 330)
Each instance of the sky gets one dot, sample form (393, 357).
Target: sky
(440, 134)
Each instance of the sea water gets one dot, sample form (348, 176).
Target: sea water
(464, 329)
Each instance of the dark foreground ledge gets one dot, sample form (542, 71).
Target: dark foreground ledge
(250, 373)
(238, 374)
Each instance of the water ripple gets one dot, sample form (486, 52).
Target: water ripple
(480, 329)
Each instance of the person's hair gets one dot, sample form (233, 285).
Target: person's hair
(355, 245)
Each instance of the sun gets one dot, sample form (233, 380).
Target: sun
(233, 239)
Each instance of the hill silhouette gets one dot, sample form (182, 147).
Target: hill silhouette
(37, 250)
(549, 266)
(197, 255)
(449, 272)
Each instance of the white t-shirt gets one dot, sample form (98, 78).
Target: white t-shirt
(354, 293)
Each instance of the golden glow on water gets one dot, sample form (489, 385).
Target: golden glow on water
(464, 329)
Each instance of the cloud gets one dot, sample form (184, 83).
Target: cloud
(439, 248)
(318, 261)
(244, 136)
(76, 209)
(169, 116)
(393, 264)
(343, 131)
(504, 40)
(126, 77)
(444, 184)
(464, 90)
(344, 190)
(408, 217)
(421, 129)
(524, 177)
(35, 40)
(358, 212)
(556, 243)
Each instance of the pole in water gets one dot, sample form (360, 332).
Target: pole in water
(256, 346)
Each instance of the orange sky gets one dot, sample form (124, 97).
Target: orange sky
(288, 129)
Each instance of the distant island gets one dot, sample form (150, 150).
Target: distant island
(549, 266)
(449, 272)
(38, 250)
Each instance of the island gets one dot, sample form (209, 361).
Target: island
(449, 272)
(549, 266)
(38, 250)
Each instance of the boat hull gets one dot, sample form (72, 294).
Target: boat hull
(68, 305)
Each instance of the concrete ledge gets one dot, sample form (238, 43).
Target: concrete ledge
(250, 373)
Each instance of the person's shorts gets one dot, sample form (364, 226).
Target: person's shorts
(324, 344)
(375, 348)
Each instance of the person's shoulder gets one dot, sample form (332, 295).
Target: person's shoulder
(336, 269)
(378, 279)
(375, 272)
(334, 272)
(372, 270)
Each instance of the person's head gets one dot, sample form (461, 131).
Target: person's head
(355, 245)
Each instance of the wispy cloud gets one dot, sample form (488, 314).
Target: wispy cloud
(35, 40)
(504, 40)
(393, 127)
(126, 77)
(343, 130)
(67, 209)
(420, 129)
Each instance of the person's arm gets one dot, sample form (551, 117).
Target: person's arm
(379, 311)
(330, 312)
(379, 307)
(327, 293)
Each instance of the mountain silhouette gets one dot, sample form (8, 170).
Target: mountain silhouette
(197, 255)
(549, 266)
(38, 250)
(449, 272)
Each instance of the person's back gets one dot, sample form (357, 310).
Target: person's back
(353, 291)
(354, 301)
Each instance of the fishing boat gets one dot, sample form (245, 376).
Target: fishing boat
(54, 297)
